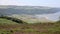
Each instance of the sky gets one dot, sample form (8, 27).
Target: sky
(49, 3)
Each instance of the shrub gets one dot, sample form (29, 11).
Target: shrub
(13, 19)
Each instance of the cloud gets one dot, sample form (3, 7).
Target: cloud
(50, 3)
(10, 2)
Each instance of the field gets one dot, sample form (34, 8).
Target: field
(10, 27)
(5, 21)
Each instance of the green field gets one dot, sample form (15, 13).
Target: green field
(5, 21)
(10, 27)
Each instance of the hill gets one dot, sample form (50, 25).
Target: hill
(31, 10)
(5, 21)
(40, 28)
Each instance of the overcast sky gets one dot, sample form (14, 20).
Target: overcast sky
(50, 3)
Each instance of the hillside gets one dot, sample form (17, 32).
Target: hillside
(9, 27)
(5, 21)
(19, 19)
(31, 10)
(24, 11)
(31, 18)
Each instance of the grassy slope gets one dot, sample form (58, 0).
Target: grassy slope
(5, 21)
(42, 28)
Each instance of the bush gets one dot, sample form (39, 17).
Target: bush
(13, 19)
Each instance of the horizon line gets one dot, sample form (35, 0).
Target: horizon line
(30, 5)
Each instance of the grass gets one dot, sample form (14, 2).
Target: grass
(5, 21)
(40, 28)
